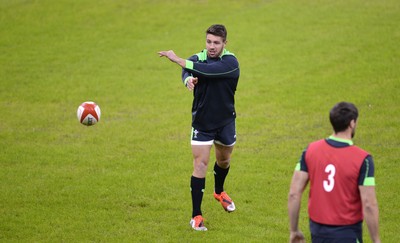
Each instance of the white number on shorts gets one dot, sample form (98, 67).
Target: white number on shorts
(330, 183)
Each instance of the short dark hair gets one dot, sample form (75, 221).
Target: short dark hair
(341, 115)
(218, 30)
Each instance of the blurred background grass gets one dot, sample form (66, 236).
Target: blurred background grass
(127, 178)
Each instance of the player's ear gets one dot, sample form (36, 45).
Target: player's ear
(353, 123)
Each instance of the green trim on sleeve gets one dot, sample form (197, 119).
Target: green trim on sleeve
(297, 167)
(369, 181)
(189, 65)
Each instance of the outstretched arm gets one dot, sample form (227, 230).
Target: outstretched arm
(173, 57)
(190, 81)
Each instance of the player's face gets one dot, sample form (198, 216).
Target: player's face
(215, 45)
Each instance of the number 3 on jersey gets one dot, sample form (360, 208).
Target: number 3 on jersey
(330, 183)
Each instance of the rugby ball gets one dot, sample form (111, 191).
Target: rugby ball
(88, 113)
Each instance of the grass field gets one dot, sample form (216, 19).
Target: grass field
(126, 179)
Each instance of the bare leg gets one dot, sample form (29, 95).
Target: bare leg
(223, 155)
(201, 157)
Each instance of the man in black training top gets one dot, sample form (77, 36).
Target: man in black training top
(212, 75)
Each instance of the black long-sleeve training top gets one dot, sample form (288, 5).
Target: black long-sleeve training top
(214, 94)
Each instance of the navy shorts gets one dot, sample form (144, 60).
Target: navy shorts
(336, 234)
(225, 136)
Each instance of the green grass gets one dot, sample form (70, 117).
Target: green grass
(127, 178)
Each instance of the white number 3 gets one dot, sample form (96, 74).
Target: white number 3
(330, 183)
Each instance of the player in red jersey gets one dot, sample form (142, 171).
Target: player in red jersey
(342, 185)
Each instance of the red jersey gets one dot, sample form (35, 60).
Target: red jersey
(334, 172)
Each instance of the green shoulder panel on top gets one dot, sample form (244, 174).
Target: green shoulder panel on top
(202, 56)
(226, 52)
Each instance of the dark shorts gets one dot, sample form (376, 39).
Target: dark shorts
(336, 234)
(225, 135)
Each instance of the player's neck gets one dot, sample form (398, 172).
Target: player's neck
(346, 135)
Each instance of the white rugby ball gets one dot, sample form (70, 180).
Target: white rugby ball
(88, 113)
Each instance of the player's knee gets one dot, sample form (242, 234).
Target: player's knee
(200, 165)
(224, 163)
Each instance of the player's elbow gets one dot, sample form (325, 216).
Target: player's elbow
(370, 207)
(294, 195)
